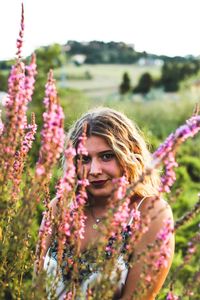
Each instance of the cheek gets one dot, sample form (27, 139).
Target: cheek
(116, 169)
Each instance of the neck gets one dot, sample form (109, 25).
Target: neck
(100, 203)
(97, 207)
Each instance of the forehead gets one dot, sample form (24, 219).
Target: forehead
(95, 144)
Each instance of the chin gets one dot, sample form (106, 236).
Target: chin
(100, 194)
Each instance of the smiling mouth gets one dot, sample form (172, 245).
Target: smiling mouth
(98, 183)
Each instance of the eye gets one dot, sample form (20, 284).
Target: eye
(107, 156)
(85, 159)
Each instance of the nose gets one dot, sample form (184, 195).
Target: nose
(95, 168)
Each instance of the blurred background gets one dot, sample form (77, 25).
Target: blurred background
(139, 57)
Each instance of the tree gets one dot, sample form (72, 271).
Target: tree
(170, 77)
(125, 86)
(145, 84)
(174, 71)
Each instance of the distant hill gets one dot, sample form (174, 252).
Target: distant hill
(173, 69)
(98, 52)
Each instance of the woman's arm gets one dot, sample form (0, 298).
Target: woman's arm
(154, 282)
(47, 237)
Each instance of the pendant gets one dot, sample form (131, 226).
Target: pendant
(95, 226)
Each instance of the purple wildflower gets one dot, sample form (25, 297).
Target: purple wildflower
(171, 296)
(166, 152)
(15, 106)
(67, 182)
(163, 238)
(122, 215)
(30, 78)
(121, 184)
(170, 176)
(21, 35)
(52, 133)
(29, 136)
(81, 150)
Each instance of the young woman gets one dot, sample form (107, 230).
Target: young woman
(116, 149)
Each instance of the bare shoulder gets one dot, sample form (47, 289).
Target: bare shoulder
(158, 212)
(53, 205)
(156, 208)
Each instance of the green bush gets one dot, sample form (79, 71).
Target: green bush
(192, 165)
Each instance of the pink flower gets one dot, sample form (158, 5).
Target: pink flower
(191, 248)
(21, 34)
(64, 227)
(166, 152)
(165, 147)
(68, 296)
(30, 78)
(120, 218)
(121, 184)
(40, 170)
(67, 182)
(81, 146)
(171, 296)
(83, 182)
(166, 231)
(163, 238)
(136, 215)
(16, 107)
(53, 136)
(81, 230)
(29, 136)
(148, 278)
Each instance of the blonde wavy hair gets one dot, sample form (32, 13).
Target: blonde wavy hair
(125, 139)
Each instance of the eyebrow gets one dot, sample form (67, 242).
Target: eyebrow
(105, 151)
(99, 153)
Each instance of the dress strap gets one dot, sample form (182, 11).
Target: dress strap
(138, 206)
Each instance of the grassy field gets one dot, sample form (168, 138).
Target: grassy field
(157, 119)
(105, 79)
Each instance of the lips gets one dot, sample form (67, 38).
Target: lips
(98, 183)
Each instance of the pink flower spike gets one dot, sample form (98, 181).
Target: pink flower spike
(29, 136)
(67, 183)
(21, 35)
(166, 151)
(30, 78)
(166, 231)
(68, 296)
(40, 170)
(171, 296)
(81, 150)
(53, 136)
(84, 182)
(122, 184)
(120, 219)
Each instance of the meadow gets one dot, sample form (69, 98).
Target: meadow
(159, 114)
(29, 175)
(100, 81)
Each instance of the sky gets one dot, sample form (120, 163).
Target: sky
(170, 27)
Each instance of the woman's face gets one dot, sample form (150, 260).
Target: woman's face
(101, 166)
